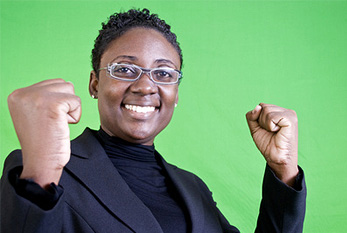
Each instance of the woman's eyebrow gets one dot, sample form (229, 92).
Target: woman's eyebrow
(132, 58)
(164, 61)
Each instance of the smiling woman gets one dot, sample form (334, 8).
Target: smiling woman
(142, 47)
(113, 179)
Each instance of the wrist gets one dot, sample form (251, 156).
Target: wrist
(286, 173)
(43, 176)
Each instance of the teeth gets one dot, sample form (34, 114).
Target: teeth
(140, 109)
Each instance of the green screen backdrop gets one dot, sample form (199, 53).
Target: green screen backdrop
(236, 54)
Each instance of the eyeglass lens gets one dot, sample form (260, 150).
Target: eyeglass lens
(130, 72)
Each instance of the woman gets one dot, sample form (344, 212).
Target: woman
(113, 180)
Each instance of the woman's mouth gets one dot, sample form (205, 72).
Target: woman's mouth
(140, 109)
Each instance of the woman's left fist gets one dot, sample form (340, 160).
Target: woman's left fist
(275, 132)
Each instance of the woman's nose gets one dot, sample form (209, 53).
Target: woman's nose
(144, 85)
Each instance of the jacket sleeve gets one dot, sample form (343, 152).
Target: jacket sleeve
(223, 223)
(22, 214)
(282, 209)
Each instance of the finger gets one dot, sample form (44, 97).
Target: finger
(60, 87)
(70, 105)
(74, 115)
(75, 110)
(41, 89)
(264, 105)
(53, 85)
(252, 118)
(254, 114)
(48, 82)
(284, 119)
(273, 119)
(62, 107)
(269, 121)
(266, 117)
(267, 108)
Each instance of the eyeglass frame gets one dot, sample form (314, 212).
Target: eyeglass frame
(143, 70)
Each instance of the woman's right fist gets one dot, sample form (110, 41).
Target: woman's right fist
(40, 115)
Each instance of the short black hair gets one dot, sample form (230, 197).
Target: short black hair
(119, 23)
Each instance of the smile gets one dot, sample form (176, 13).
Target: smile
(139, 109)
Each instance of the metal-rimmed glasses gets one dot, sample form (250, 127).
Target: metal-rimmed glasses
(131, 72)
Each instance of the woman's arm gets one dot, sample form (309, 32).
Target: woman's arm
(40, 115)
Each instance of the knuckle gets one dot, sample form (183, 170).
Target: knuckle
(293, 112)
(78, 99)
(17, 97)
(266, 110)
(71, 87)
(67, 86)
(12, 97)
(55, 80)
(70, 84)
(269, 116)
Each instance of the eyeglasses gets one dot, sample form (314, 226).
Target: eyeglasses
(130, 72)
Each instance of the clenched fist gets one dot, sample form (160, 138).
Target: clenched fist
(41, 114)
(275, 133)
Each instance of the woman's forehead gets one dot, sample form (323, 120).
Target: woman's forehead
(139, 44)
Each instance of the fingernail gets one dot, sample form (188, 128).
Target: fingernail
(256, 109)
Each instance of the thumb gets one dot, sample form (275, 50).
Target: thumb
(74, 114)
(252, 118)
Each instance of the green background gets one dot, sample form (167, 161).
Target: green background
(236, 54)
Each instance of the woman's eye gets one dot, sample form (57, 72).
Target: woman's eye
(122, 70)
(163, 73)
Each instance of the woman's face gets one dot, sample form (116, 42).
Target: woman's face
(149, 49)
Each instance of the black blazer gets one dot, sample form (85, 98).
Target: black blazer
(95, 198)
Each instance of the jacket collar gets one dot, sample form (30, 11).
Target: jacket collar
(189, 191)
(89, 155)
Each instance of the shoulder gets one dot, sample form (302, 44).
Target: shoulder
(181, 171)
(189, 178)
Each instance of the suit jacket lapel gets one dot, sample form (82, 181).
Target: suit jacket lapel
(90, 164)
(189, 191)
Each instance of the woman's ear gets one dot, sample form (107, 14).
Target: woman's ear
(176, 101)
(93, 85)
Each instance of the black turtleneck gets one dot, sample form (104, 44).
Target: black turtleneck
(142, 170)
